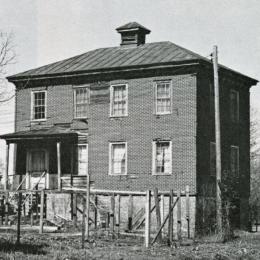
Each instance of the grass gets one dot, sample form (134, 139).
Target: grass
(34, 246)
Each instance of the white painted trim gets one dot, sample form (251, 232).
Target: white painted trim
(110, 159)
(154, 157)
(83, 144)
(171, 96)
(111, 89)
(32, 105)
(74, 100)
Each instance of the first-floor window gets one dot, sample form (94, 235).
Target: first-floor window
(212, 159)
(37, 161)
(39, 105)
(118, 158)
(162, 157)
(234, 160)
(82, 159)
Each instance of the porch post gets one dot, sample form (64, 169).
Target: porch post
(6, 167)
(59, 166)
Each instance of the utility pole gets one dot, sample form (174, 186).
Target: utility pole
(218, 141)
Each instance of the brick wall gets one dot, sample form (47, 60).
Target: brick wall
(139, 129)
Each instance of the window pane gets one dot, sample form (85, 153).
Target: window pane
(119, 101)
(39, 105)
(163, 157)
(118, 159)
(163, 93)
(81, 102)
(234, 106)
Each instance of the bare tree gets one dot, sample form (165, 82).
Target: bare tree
(255, 165)
(7, 58)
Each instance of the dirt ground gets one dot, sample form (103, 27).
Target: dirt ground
(102, 246)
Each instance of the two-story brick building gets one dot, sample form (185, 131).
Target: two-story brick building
(136, 116)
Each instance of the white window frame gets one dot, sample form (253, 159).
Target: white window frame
(236, 119)
(238, 155)
(32, 105)
(110, 159)
(112, 97)
(86, 145)
(74, 100)
(155, 94)
(154, 157)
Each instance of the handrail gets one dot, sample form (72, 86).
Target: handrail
(30, 194)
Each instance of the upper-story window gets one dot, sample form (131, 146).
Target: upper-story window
(234, 106)
(234, 160)
(163, 97)
(81, 100)
(39, 105)
(118, 100)
(162, 157)
(118, 158)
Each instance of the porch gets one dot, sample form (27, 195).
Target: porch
(53, 158)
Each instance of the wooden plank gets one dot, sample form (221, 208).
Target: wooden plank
(6, 167)
(95, 211)
(2, 210)
(83, 226)
(164, 222)
(188, 209)
(75, 210)
(41, 212)
(87, 206)
(6, 208)
(179, 216)
(158, 213)
(162, 207)
(147, 218)
(130, 212)
(59, 166)
(170, 224)
(19, 218)
(118, 214)
(112, 215)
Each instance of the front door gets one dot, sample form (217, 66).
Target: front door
(37, 164)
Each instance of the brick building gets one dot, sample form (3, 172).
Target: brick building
(136, 116)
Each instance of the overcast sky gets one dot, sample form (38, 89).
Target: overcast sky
(50, 30)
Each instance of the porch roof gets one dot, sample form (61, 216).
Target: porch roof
(52, 132)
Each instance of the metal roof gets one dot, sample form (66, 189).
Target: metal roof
(132, 25)
(98, 60)
(52, 132)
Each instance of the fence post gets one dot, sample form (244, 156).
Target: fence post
(19, 218)
(188, 209)
(112, 215)
(41, 212)
(147, 218)
(2, 205)
(83, 226)
(158, 215)
(179, 216)
(118, 215)
(6, 208)
(170, 224)
(130, 212)
(95, 210)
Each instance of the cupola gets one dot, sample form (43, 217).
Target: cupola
(132, 34)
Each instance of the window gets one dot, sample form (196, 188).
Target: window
(82, 159)
(212, 159)
(163, 97)
(118, 100)
(234, 106)
(81, 100)
(234, 160)
(39, 105)
(118, 158)
(162, 157)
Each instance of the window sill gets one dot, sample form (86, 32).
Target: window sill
(111, 174)
(118, 116)
(161, 174)
(38, 120)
